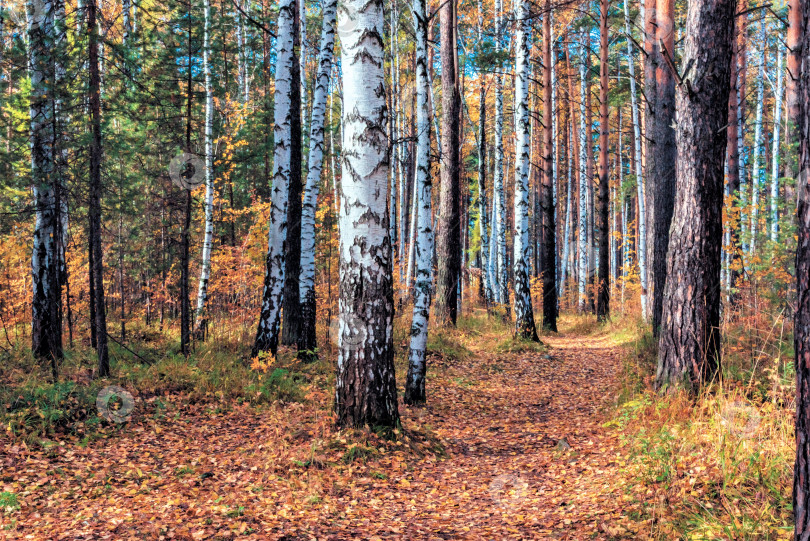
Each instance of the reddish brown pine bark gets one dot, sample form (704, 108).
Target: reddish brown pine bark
(651, 59)
(792, 95)
(665, 162)
(603, 289)
(689, 346)
(448, 245)
(546, 197)
(801, 473)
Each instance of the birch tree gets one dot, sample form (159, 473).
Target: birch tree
(415, 383)
(756, 176)
(482, 173)
(524, 316)
(267, 333)
(582, 271)
(306, 338)
(777, 126)
(642, 214)
(365, 388)
(46, 328)
(486, 276)
(205, 268)
(500, 198)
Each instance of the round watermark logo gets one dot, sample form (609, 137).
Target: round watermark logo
(740, 418)
(115, 404)
(348, 19)
(347, 331)
(664, 29)
(508, 490)
(187, 171)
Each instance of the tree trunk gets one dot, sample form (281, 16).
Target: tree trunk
(46, 309)
(733, 172)
(94, 204)
(800, 40)
(201, 317)
(448, 246)
(365, 388)
(641, 224)
(582, 277)
(415, 383)
(486, 277)
(651, 60)
(502, 295)
(547, 201)
(267, 333)
(666, 153)
(603, 287)
(756, 174)
(292, 253)
(794, 37)
(524, 315)
(777, 125)
(689, 346)
(307, 342)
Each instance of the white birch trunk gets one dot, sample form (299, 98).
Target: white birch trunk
(415, 383)
(756, 180)
(567, 231)
(500, 279)
(306, 284)
(267, 334)
(524, 315)
(582, 272)
(777, 124)
(493, 249)
(43, 71)
(365, 388)
(205, 269)
(126, 14)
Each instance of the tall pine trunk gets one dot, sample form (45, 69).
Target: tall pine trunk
(800, 113)
(547, 199)
(689, 345)
(96, 270)
(603, 287)
(448, 247)
(665, 150)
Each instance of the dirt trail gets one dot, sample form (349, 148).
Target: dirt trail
(506, 424)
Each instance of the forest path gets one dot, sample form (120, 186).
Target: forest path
(528, 455)
(483, 460)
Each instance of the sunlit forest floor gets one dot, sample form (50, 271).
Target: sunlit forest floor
(563, 440)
